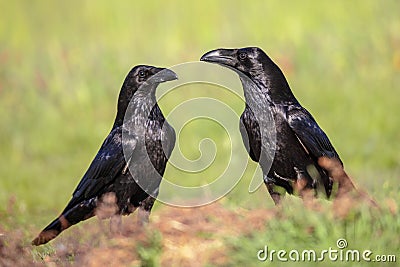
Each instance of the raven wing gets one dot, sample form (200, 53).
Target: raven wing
(251, 136)
(107, 164)
(309, 133)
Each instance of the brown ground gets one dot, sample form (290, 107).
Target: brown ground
(174, 237)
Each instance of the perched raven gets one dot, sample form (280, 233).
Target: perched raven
(132, 153)
(300, 142)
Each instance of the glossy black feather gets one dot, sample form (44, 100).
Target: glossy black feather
(144, 135)
(108, 163)
(300, 142)
(309, 133)
(250, 132)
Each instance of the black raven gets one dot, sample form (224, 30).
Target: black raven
(300, 142)
(132, 153)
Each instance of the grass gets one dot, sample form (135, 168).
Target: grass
(61, 67)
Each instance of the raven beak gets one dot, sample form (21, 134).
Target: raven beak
(220, 56)
(163, 75)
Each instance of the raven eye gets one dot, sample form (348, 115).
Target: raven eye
(142, 74)
(242, 56)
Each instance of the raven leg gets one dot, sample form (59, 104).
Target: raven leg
(346, 185)
(115, 224)
(336, 171)
(305, 184)
(276, 196)
(145, 209)
(143, 217)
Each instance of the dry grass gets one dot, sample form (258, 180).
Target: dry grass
(174, 237)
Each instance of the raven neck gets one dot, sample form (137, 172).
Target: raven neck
(128, 95)
(141, 108)
(278, 88)
(256, 96)
(260, 104)
(121, 110)
(124, 98)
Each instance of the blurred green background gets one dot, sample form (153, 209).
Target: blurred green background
(62, 64)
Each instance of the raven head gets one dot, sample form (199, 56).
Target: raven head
(248, 60)
(145, 77)
(256, 65)
(142, 73)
